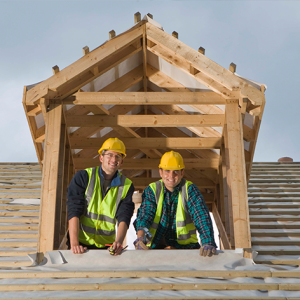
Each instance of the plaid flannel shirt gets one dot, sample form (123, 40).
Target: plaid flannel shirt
(166, 231)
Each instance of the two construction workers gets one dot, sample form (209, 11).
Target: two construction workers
(172, 208)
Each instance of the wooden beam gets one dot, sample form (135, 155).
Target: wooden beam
(232, 68)
(40, 134)
(220, 226)
(147, 98)
(143, 182)
(83, 66)
(55, 69)
(33, 128)
(227, 185)
(151, 143)
(50, 179)
(238, 176)
(150, 164)
(85, 50)
(112, 34)
(204, 64)
(36, 110)
(248, 133)
(175, 34)
(147, 121)
(201, 50)
(137, 17)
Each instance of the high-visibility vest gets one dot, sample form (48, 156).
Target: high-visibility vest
(185, 228)
(97, 224)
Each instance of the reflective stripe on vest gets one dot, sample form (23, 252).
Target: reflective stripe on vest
(97, 224)
(185, 228)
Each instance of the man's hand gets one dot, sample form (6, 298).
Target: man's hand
(78, 249)
(139, 245)
(207, 250)
(117, 248)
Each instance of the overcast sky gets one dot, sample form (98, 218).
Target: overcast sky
(261, 37)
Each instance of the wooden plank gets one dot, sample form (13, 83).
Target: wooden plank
(33, 112)
(152, 143)
(204, 64)
(146, 274)
(147, 121)
(15, 253)
(146, 286)
(50, 177)
(148, 98)
(175, 132)
(148, 163)
(142, 182)
(18, 235)
(18, 228)
(40, 134)
(33, 127)
(19, 220)
(220, 226)
(17, 244)
(59, 185)
(227, 183)
(238, 176)
(19, 213)
(83, 65)
(20, 207)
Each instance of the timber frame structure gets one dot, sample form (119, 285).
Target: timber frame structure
(130, 87)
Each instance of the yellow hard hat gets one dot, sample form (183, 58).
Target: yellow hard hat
(113, 144)
(171, 161)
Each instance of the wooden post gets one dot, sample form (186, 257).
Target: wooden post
(201, 50)
(112, 34)
(238, 176)
(137, 17)
(175, 34)
(226, 187)
(60, 186)
(55, 69)
(64, 192)
(232, 67)
(50, 186)
(85, 50)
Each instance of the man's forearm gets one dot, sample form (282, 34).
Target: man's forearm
(74, 231)
(122, 230)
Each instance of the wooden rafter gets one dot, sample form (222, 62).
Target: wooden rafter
(203, 64)
(82, 67)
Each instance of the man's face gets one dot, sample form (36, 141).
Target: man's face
(111, 161)
(171, 178)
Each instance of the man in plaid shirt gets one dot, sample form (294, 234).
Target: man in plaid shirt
(171, 211)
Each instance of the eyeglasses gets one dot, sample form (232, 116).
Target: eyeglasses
(110, 156)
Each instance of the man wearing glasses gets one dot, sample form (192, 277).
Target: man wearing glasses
(171, 211)
(97, 199)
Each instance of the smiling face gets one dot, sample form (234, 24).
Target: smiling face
(111, 162)
(171, 178)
